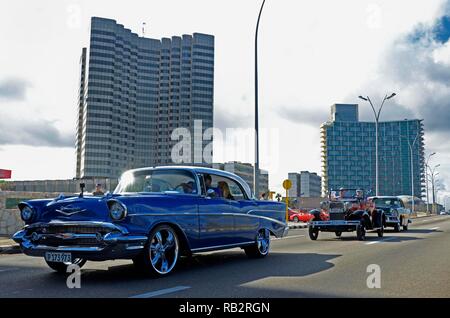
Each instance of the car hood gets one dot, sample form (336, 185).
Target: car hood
(387, 209)
(87, 208)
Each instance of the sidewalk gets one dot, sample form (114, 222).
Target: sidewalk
(298, 225)
(8, 246)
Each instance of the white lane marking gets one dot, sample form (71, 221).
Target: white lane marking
(161, 292)
(434, 228)
(382, 240)
(287, 237)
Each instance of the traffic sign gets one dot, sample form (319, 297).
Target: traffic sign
(287, 184)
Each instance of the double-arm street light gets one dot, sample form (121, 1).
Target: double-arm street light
(433, 174)
(411, 148)
(426, 180)
(256, 167)
(377, 118)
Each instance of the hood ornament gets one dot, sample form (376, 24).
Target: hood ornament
(70, 210)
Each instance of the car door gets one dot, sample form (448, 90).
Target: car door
(216, 222)
(246, 224)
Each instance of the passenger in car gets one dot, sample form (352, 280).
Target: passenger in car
(225, 189)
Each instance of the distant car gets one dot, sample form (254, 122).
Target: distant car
(299, 216)
(443, 213)
(397, 216)
(349, 211)
(154, 216)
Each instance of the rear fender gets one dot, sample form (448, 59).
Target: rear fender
(316, 215)
(361, 215)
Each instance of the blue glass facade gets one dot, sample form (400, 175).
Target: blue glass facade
(348, 156)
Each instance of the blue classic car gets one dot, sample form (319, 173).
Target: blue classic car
(154, 216)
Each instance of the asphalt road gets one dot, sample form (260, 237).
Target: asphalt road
(415, 263)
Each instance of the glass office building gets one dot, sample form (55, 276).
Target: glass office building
(348, 155)
(305, 184)
(134, 91)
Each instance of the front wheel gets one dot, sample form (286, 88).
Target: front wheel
(405, 227)
(397, 227)
(313, 233)
(62, 267)
(161, 252)
(261, 247)
(360, 233)
(380, 232)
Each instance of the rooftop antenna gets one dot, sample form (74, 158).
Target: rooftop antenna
(143, 28)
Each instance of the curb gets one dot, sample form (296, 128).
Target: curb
(298, 226)
(10, 249)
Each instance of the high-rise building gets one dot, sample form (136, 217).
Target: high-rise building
(134, 91)
(348, 154)
(305, 184)
(245, 171)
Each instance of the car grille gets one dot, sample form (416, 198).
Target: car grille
(54, 235)
(57, 229)
(49, 241)
(337, 216)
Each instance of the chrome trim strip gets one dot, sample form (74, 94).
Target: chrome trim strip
(28, 245)
(222, 246)
(213, 214)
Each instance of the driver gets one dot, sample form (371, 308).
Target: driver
(188, 187)
(359, 194)
(208, 182)
(341, 193)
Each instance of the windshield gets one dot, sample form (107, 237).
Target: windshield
(387, 202)
(157, 181)
(347, 194)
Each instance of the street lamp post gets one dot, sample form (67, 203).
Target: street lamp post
(377, 118)
(256, 167)
(411, 145)
(426, 180)
(433, 175)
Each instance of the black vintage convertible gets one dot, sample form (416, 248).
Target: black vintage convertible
(348, 212)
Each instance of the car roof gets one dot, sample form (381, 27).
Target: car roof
(203, 170)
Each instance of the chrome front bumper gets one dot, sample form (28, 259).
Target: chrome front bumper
(113, 242)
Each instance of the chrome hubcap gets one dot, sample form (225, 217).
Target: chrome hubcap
(164, 251)
(263, 241)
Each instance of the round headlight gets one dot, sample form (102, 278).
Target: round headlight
(117, 211)
(26, 213)
(394, 212)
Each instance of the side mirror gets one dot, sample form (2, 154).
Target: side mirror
(210, 193)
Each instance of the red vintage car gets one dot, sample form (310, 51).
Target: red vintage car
(299, 215)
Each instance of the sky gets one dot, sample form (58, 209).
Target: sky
(311, 55)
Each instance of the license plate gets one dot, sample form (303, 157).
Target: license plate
(58, 257)
(336, 210)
